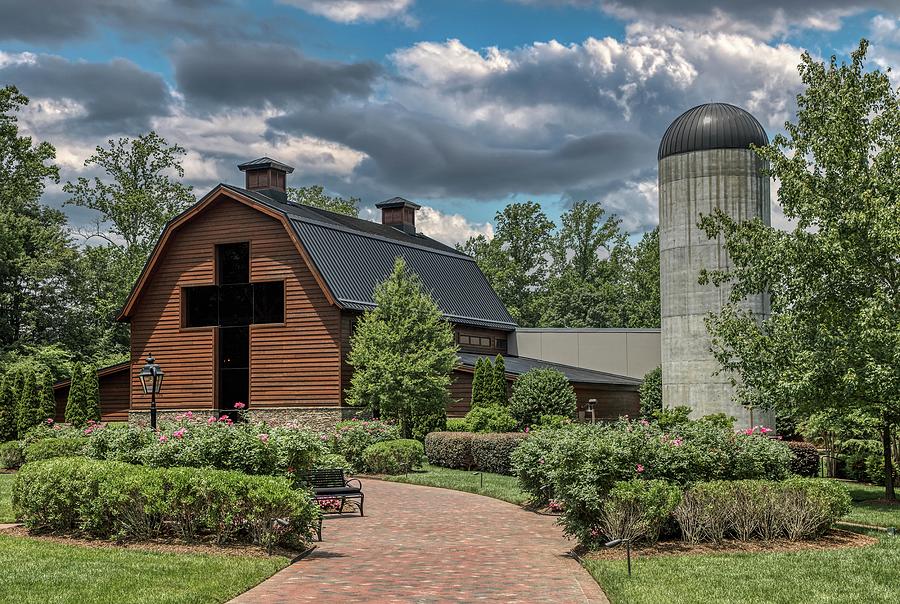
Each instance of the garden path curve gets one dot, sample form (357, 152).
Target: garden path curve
(429, 545)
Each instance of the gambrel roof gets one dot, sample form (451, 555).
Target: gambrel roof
(350, 256)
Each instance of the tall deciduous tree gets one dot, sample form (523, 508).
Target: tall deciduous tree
(139, 193)
(516, 260)
(35, 251)
(641, 283)
(403, 353)
(315, 196)
(833, 338)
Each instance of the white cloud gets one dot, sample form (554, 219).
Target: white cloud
(446, 228)
(353, 11)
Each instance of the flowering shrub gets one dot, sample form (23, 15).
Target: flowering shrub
(394, 456)
(107, 499)
(119, 443)
(491, 452)
(351, 438)
(449, 449)
(55, 447)
(635, 510)
(50, 429)
(540, 392)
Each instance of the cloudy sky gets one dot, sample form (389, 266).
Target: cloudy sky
(463, 106)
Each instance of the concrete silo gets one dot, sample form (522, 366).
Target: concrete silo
(704, 163)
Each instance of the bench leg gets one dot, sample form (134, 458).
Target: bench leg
(361, 499)
(319, 529)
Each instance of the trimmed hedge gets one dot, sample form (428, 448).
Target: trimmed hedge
(55, 447)
(12, 455)
(394, 456)
(108, 499)
(449, 449)
(491, 452)
(490, 418)
(805, 461)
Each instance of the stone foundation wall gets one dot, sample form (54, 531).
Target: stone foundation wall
(315, 418)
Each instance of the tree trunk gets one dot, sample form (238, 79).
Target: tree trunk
(888, 462)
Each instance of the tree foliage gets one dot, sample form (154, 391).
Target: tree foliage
(316, 197)
(36, 402)
(403, 353)
(480, 378)
(498, 394)
(833, 338)
(651, 393)
(583, 274)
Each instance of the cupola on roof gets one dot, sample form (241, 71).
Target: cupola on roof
(712, 126)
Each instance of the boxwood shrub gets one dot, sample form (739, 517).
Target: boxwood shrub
(12, 454)
(805, 458)
(490, 418)
(351, 437)
(394, 456)
(449, 449)
(55, 447)
(491, 452)
(108, 499)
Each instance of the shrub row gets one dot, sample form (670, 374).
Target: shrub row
(55, 447)
(795, 509)
(108, 499)
(580, 463)
(352, 437)
(394, 456)
(466, 450)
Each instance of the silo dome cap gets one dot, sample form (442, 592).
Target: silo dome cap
(712, 126)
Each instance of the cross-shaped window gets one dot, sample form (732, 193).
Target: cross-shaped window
(231, 306)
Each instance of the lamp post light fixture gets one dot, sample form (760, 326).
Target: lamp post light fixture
(151, 382)
(590, 408)
(627, 542)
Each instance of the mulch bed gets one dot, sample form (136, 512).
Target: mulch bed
(833, 539)
(158, 545)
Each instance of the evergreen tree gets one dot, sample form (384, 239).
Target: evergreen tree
(403, 354)
(8, 403)
(36, 402)
(481, 383)
(498, 383)
(84, 396)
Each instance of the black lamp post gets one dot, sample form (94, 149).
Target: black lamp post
(151, 381)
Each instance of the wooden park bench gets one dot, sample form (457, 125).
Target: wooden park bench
(328, 485)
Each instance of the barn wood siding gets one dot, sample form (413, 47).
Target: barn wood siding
(113, 396)
(612, 401)
(493, 334)
(294, 364)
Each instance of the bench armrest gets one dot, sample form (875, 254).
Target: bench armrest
(356, 480)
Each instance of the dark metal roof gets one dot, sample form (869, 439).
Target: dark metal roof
(397, 202)
(712, 126)
(354, 255)
(519, 365)
(261, 163)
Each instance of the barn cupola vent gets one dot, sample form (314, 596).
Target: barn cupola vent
(399, 213)
(267, 176)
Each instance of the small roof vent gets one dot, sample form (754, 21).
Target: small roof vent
(399, 213)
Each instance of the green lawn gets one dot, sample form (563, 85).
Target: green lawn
(6, 484)
(853, 575)
(495, 485)
(42, 572)
(866, 510)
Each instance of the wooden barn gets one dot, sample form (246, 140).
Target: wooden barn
(249, 298)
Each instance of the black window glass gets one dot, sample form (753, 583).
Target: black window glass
(234, 347)
(234, 263)
(235, 304)
(268, 302)
(201, 306)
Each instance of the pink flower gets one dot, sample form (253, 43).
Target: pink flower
(239, 405)
(224, 418)
(764, 430)
(179, 433)
(677, 442)
(541, 461)
(644, 422)
(88, 431)
(189, 415)
(263, 437)
(639, 468)
(163, 438)
(526, 428)
(748, 431)
(211, 421)
(57, 427)
(49, 421)
(324, 437)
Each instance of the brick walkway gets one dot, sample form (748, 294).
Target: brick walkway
(428, 545)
